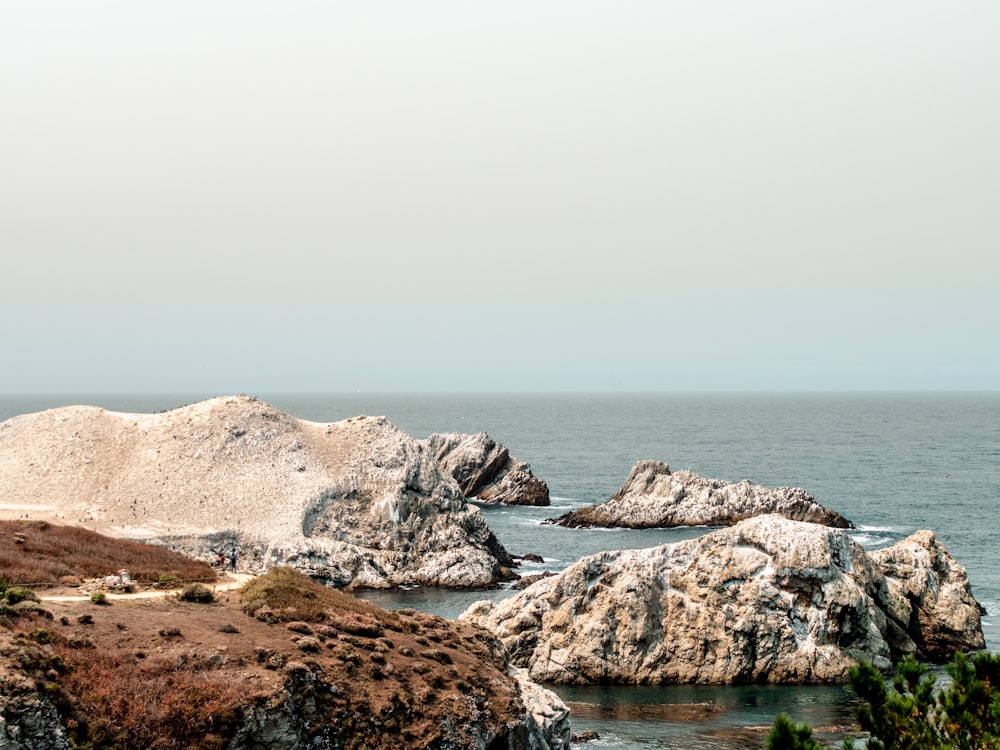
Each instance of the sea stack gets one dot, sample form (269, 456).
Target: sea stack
(655, 497)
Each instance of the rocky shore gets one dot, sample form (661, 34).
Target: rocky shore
(782, 594)
(655, 497)
(766, 600)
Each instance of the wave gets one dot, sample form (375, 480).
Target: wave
(881, 529)
(867, 540)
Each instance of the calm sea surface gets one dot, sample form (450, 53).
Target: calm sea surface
(891, 463)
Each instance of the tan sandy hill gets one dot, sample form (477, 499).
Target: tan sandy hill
(357, 502)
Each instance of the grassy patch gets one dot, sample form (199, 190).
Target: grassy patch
(122, 703)
(40, 552)
(290, 596)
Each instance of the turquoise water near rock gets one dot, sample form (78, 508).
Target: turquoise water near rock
(892, 463)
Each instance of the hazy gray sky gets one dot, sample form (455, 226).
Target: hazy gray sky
(411, 196)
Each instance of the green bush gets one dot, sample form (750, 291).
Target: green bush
(98, 597)
(17, 594)
(787, 735)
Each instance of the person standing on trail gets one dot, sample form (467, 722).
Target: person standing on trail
(232, 560)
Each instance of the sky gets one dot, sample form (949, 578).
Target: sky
(230, 197)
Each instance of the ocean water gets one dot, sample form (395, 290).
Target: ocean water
(892, 463)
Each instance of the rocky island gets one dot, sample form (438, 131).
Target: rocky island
(655, 497)
(354, 503)
(766, 600)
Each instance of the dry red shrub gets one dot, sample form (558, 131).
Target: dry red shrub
(33, 552)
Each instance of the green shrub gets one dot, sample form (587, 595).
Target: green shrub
(787, 735)
(17, 594)
(98, 597)
(909, 714)
(169, 581)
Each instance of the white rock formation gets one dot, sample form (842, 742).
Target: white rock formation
(485, 470)
(546, 716)
(357, 502)
(766, 600)
(655, 497)
(929, 594)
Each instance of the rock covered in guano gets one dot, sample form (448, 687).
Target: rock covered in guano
(356, 502)
(655, 497)
(766, 600)
(486, 471)
(930, 590)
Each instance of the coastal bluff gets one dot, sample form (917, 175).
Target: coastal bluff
(355, 503)
(655, 497)
(767, 600)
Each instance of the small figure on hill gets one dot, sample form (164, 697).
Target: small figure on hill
(232, 560)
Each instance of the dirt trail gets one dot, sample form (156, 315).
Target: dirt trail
(236, 581)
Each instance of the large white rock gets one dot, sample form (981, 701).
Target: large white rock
(485, 470)
(766, 600)
(357, 502)
(655, 497)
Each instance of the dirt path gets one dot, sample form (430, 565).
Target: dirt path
(236, 580)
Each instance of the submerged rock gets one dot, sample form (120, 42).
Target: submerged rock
(766, 600)
(485, 470)
(655, 497)
(356, 502)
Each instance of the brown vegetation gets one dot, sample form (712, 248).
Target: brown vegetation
(38, 552)
(166, 673)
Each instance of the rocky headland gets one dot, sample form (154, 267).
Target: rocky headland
(485, 470)
(282, 664)
(655, 497)
(767, 600)
(353, 503)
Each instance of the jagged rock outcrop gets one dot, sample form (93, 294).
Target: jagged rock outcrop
(356, 502)
(929, 594)
(485, 470)
(766, 600)
(655, 497)
(542, 723)
(28, 719)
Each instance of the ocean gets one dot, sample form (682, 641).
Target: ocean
(892, 463)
